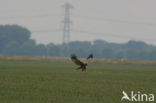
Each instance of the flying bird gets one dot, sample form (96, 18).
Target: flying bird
(80, 63)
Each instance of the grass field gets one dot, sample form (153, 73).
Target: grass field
(59, 82)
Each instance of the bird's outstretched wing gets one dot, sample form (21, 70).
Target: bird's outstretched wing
(90, 56)
(76, 60)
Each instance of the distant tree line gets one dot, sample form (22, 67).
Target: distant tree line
(15, 41)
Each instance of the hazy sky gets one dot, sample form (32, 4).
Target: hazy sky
(110, 20)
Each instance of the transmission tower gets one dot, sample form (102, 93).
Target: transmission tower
(66, 21)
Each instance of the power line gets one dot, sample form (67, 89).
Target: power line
(78, 16)
(66, 29)
(42, 31)
(112, 35)
(26, 16)
(95, 33)
(114, 20)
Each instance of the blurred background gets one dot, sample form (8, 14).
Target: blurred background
(56, 28)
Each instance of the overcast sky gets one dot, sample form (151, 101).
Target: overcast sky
(110, 20)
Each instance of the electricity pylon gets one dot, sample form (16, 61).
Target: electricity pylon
(67, 22)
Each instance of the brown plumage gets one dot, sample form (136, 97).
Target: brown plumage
(80, 63)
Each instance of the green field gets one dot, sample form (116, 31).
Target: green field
(59, 82)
